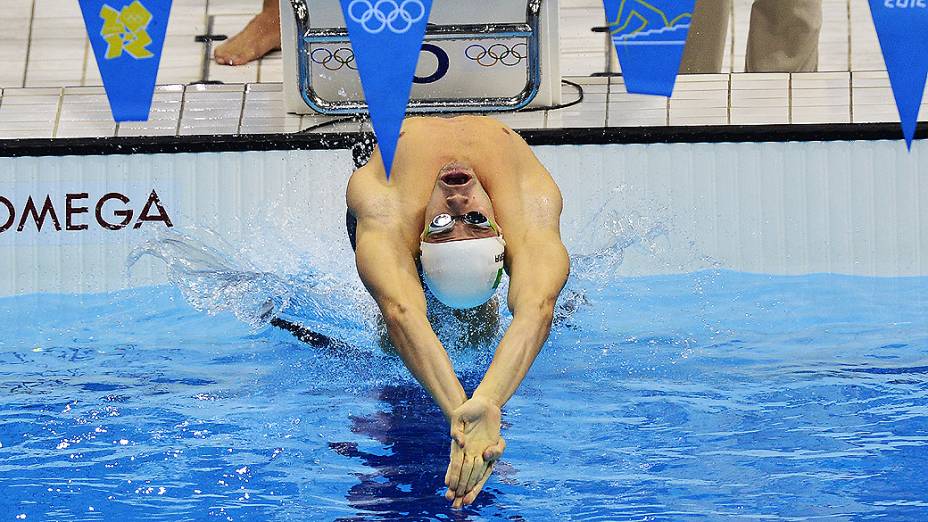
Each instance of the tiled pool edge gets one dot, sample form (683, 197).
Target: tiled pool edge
(257, 108)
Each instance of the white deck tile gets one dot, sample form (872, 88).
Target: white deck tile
(58, 27)
(59, 45)
(759, 98)
(25, 111)
(182, 61)
(865, 46)
(700, 99)
(271, 68)
(92, 76)
(740, 24)
(234, 74)
(833, 42)
(590, 113)
(188, 18)
(17, 8)
(164, 117)
(264, 111)
(873, 98)
(234, 7)
(57, 62)
(633, 110)
(12, 72)
(14, 29)
(86, 129)
(823, 97)
(582, 50)
(85, 112)
(212, 109)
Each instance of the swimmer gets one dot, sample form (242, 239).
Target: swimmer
(467, 199)
(258, 38)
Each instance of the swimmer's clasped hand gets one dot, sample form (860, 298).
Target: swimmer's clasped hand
(475, 447)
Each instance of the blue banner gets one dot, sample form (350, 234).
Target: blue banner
(386, 36)
(127, 37)
(902, 26)
(649, 37)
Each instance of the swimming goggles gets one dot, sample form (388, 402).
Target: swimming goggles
(445, 222)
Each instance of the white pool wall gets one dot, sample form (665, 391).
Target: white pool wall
(858, 208)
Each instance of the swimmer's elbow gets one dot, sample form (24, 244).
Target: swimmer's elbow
(394, 312)
(536, 309)
(398, 315)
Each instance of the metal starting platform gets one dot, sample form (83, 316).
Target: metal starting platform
(477, 56)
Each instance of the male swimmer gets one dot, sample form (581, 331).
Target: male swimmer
(466, 200)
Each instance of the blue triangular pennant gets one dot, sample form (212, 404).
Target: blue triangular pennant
(902, 26)
(386, 36)
(649, 37)
(127, 37)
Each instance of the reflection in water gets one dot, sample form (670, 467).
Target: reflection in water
(407, 481)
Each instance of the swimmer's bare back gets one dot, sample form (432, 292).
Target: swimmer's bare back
(520, 188)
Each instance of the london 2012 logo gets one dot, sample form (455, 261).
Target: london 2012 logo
(398, 17)
(126, 31)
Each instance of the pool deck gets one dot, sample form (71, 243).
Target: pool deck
(50, 86)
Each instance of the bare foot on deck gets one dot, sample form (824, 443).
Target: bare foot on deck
(259, 37)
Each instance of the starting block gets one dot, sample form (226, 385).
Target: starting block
(477, 56)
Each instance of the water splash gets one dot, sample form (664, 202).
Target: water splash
(271, 277)
(215, 277)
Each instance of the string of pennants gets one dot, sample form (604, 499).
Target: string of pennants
(127, 37)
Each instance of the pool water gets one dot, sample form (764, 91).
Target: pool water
(714, 395)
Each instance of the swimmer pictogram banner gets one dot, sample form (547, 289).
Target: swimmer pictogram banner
(386, 36)
(902, 26)
(127, 37)
(649, 37)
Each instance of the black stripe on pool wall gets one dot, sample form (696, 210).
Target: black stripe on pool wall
(573, 136)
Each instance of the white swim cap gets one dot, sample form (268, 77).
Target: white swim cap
(463, 274)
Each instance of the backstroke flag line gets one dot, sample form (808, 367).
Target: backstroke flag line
(127, 37)
(386, 36)
(902, 26)
(649, 37)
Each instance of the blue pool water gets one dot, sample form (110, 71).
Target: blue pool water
(712, 396)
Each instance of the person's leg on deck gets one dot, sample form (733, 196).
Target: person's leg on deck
(705, 45)
(784, 36)
(259, 37)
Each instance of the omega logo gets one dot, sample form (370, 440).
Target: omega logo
(111, 212)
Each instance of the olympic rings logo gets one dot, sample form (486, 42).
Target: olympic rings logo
(386, 14)
(334, 60)
(497, 53)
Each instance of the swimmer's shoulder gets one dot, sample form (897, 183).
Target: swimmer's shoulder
(363, 188)
(370, 195)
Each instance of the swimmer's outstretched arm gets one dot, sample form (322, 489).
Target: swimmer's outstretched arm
(387, 269)
(537, 274)
(538, 269)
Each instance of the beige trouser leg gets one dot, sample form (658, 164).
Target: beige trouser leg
(784, 36)
(705, 45)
